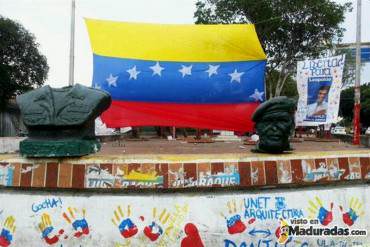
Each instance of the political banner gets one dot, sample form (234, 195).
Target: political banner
(319, 83)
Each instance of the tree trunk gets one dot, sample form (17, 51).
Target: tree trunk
(283, 76)
(280, 85)
(269, 85)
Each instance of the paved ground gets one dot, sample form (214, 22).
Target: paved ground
(161, 146)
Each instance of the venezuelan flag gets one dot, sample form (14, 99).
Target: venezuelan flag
(201, 76)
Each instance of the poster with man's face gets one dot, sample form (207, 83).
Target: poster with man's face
(318, 89)
(319, 82)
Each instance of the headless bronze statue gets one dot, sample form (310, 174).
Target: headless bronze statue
(60, 121)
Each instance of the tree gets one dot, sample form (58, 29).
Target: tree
(288, 30)
(289, 89)
(21, 65)
(346, 104)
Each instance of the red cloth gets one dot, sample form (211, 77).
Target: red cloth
(235, 117)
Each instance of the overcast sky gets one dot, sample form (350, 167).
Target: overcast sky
(49, 21)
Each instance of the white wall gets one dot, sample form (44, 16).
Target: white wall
(207, 211)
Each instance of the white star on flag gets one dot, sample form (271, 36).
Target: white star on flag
(157, 69)
(112, 80)
(235, 76)
(133, 73)
(212, 70)
(257, 95)
(185, 70)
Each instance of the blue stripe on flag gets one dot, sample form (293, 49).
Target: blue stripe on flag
(178, 82)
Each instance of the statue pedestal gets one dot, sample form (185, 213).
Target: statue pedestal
(58, 148)
(227, 136)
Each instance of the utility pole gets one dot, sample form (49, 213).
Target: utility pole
(72, 46)
(357, 99)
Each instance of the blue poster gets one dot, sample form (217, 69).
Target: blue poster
(317, 98)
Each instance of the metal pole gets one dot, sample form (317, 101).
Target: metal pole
(357, 106)
(72, 46)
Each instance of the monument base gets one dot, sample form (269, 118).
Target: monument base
(227, 136)
(176, 165)
(58, 148)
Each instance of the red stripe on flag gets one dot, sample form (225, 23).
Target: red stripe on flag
(235, 117)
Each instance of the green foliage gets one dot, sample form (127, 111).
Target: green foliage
(349, 70)
(288, 30)
(289, 89)
(21, 64)
(347, 102)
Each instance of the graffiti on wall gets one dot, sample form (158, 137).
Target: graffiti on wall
(7, 232)
(322, 171)
(138, 178)
(260, 220)
(179, 177)
(161, 227)
(236, 219)
(6, 175)
(97, 177)
(196, 173)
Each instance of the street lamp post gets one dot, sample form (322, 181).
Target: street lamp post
(72, 45)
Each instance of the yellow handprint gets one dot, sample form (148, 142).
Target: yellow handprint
(355, 210)
(125, 225)
(154, 230)
(6, 235)
(317, 210)
(78, 221)
(46, 228)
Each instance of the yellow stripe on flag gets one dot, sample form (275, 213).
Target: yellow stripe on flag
(167, 42)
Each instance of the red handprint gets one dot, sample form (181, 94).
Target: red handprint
(353, 213)
(234, 223)
(125, 225)
(6, 235)
(154, 230)
(80, 224)
(47, 229)
(317, 210)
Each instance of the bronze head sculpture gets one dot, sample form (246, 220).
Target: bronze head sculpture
(274, 124)
(60, 121)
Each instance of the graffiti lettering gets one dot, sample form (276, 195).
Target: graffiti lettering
(321, 67)
(138, 184)
(259, 202)
(263, 243)
(47, 203)
(271, 214)
(337, 243)
(209, 180)
(261, 209)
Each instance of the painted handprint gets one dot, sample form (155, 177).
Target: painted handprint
(125, 225)
(234, 223)
(317, 211)
(354, 211)
(47, 230)
(6, 235)
(154, 230)
(79, 224)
